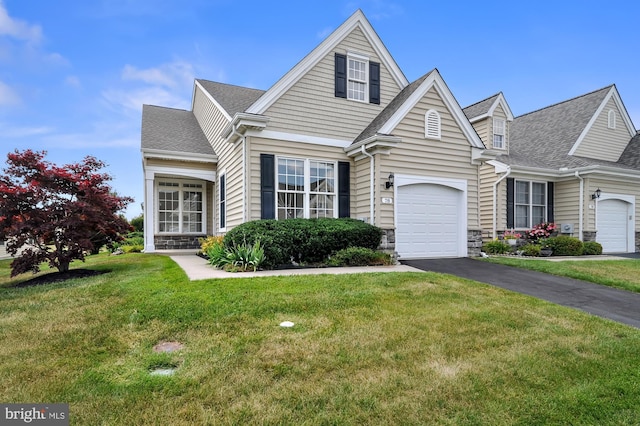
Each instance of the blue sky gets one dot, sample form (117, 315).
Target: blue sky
(74, 74)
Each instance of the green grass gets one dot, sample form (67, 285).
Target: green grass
(382, 348)
(623, 274)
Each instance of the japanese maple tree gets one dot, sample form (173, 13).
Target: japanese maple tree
(55, 214)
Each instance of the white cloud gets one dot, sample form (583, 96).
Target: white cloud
(173, 74)
(23, 132)
(134, 99)
(73, 81)
(17, 28)
(8, 96)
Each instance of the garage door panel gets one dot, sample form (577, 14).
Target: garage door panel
(613, 225)
(428, 221)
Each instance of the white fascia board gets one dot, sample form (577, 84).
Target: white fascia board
(435, 80)
(211, 98)
(374, 143)
(294, 137)
(241, 123)
(500, 100)
(481, 154)
(151, 172)
(308, 62)
(178, 155)
(605, 171)
(499, 166)
(613, 93)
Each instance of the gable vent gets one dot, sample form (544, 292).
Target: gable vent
(432, 124)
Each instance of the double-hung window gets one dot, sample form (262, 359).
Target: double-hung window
(530, 203)
(498, 133)
(357, 79)
(180, 207)
(306, 188)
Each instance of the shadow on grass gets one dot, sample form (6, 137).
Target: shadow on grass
(56, 277)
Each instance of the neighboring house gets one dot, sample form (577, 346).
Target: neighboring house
(575, 163)
(344, 134)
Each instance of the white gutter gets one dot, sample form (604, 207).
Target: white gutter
(371, 180)
(581, 205)
(495, 201)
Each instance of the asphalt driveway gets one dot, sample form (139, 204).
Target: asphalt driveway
(618, 305)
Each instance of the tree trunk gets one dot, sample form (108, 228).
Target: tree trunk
(64, 266)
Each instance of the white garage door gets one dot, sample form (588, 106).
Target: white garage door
(612, 226)
(428, 221)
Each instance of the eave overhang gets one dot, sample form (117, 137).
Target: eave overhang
(178, 155)
(242, 122)
(376, 144)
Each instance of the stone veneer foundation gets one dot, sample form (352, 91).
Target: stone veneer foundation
(177, 242)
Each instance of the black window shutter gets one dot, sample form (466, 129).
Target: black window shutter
(510, 202)
(549, 201)
(267, 186)
(341, 75)
(374, 83)
(344, 199)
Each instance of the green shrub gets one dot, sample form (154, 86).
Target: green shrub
(530, 250)
(133, 248)
(210, 241)
(496, 247)
(564, 245)
(359, 256)
(217, 255)
(591, 247)
(303, 240)
(242, 257)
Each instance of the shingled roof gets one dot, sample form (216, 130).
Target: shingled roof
(232, 98)
(480, 108)
(543, 138)
(170, 129)
(389, 110)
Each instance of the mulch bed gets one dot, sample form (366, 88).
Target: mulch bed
(56, 277)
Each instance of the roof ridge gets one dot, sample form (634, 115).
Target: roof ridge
(229, 84)
(483, 100)
(566, 100)
(166, 107)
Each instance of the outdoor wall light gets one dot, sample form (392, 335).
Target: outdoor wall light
(389, 182)
(596, 194)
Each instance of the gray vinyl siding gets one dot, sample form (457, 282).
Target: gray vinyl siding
(300, 150)
(482, 128)
(603, 143)
(449, 157)
(567, 204)
(488, 177)
(310, 106)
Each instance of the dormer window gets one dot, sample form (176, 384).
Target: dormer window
(432, 124)
(498, 133)
(611, 119)
(357, 78)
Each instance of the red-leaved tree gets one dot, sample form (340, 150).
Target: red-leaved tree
(54, 214)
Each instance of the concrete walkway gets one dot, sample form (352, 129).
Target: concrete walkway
(197, 268)
(607, 302)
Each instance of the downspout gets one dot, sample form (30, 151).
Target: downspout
(495, 200)
(371, 180)
(243, 138)
(581, 209)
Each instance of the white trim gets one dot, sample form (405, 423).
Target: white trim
(503, 134)
(500, 100)
(151, 172)
(613, 93)
(180, 156)
(434, 80)
(459, 184)
(211, 98)
(631, 211)
(357, 20)
(294, 137)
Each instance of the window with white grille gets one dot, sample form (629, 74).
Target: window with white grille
(357, 79)
(180, 207)
(498, 133)
(432, 124)
(612, 119)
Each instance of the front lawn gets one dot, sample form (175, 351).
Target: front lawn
(624, 274)
(380, 348)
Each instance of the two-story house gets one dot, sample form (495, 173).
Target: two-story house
(345, 134)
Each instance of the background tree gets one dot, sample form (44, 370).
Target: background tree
(53, 214)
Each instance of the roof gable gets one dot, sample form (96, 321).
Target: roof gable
(409, 97)
(228, 98)
(613, 95)
(487, 107)
(357, 20)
